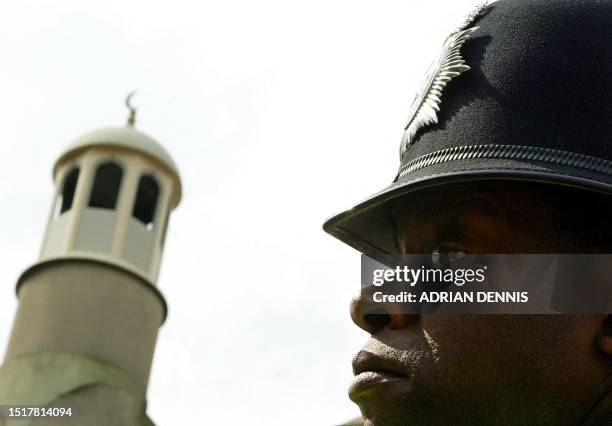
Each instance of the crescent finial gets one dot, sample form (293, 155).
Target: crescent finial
(128, 103)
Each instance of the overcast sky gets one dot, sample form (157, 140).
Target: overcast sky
(278, 114)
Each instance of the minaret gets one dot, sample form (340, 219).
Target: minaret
(89, 309)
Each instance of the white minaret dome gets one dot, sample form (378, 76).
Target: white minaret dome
(126, 137)
(115, 189)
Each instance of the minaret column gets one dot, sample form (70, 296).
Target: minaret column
(126, 202)
(86, 166)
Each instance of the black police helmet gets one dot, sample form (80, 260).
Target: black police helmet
(523, 91)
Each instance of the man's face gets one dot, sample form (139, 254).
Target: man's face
(479, 369)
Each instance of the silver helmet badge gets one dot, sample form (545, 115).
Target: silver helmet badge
(449, 65)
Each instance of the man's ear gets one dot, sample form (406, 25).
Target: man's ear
(604, 338)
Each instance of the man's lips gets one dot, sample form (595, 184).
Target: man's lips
(372, 370)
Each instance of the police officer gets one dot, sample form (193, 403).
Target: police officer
(507, 149)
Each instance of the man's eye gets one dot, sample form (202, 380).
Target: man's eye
(444, 257)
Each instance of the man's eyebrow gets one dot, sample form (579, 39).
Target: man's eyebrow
(436, 211)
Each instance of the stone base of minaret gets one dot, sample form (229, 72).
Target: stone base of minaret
(97, 394)
(83, 338)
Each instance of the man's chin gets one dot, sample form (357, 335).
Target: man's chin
(383, 401)
(380, 418)
(405, 402)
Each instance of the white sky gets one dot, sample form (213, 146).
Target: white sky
(279, 114)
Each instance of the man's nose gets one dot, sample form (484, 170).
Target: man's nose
(373, 318)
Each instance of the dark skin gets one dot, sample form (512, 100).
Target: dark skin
(488, 369)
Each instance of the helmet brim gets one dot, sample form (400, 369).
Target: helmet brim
(370, 228)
